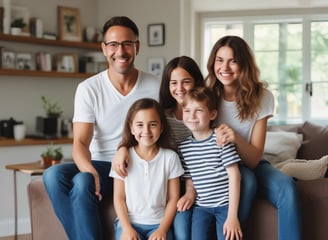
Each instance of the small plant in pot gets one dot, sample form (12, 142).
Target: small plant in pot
(52, 108)
(51, 156)
(17, 26)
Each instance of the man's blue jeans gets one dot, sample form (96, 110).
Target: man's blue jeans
(72, 194)
(276, 187)
(202, 220)
(144, 231)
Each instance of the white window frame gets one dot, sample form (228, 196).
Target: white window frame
(248, 20)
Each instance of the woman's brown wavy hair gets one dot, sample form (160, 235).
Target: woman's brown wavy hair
(249, 92)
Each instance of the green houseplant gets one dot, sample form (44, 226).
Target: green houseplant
(18, 23)
(52, 109)
(17, 26)
(51, 156)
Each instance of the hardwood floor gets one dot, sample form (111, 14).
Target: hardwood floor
(19, 237)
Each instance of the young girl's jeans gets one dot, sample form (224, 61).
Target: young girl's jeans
(144, 230)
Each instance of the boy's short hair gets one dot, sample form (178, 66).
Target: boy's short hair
(202, 94)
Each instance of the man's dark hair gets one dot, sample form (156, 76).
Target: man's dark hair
(120, 21)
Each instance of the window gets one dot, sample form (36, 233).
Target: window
(292, 54)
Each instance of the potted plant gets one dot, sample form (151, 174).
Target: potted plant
(51, 156)
(17, 25)
(52, 108)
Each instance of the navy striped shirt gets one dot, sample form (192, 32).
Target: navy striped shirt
(205, 163)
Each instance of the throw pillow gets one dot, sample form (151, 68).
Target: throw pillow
(304, 169)
(315, 141)
(281, 145)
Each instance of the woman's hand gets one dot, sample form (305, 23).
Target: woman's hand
(224, 135)
(120, 161)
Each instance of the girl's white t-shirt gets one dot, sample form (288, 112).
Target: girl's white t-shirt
(146, 185)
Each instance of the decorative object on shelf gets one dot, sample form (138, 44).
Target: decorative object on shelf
(23, 61)
(66, 62)
(90, 34)
(7, 59)
(52, 108)
(36, 27)
(69, 24)
(6, 16)
(156, 66)
(51, 156)
(20, 17)
(17, 25)
(43, 61)
(19, 131)
(156, 34)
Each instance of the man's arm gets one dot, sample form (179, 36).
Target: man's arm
(82, 135)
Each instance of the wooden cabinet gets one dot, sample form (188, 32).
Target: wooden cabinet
(73, 46)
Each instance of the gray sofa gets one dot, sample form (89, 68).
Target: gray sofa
(262, 222)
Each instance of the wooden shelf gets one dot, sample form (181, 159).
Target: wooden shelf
(34, 73)
(48, 42)
(8, 142)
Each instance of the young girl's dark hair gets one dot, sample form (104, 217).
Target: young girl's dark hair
(165, 98)
(128, 140)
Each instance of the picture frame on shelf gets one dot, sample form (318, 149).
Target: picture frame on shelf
(156, 34)
(23, 61)
(67, 62)
(7, 59)
(69, 24)
(156, 66)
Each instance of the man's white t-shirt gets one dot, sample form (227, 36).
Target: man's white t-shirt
(98, 101)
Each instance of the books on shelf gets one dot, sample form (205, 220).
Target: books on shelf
(43, 61)
(36, 27)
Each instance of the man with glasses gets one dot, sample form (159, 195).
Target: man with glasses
(100, 106)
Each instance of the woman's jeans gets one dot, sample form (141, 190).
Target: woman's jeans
(280, 190)
(144, 231)
(72, 194)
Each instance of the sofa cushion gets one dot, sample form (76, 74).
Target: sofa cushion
(315, 139)
(281, 145)
(304, 169)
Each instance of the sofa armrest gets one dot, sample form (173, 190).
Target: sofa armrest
(44, 223)
(314, 208)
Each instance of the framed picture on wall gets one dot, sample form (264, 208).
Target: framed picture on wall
(156, 66)
(69, 24)
(156, 34)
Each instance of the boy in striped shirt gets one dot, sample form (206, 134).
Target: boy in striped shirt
(212, 169)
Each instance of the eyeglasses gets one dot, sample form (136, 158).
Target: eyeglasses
(125, 44)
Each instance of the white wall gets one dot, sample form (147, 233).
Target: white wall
(144, 12)
(20, 96)
(222, 5)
